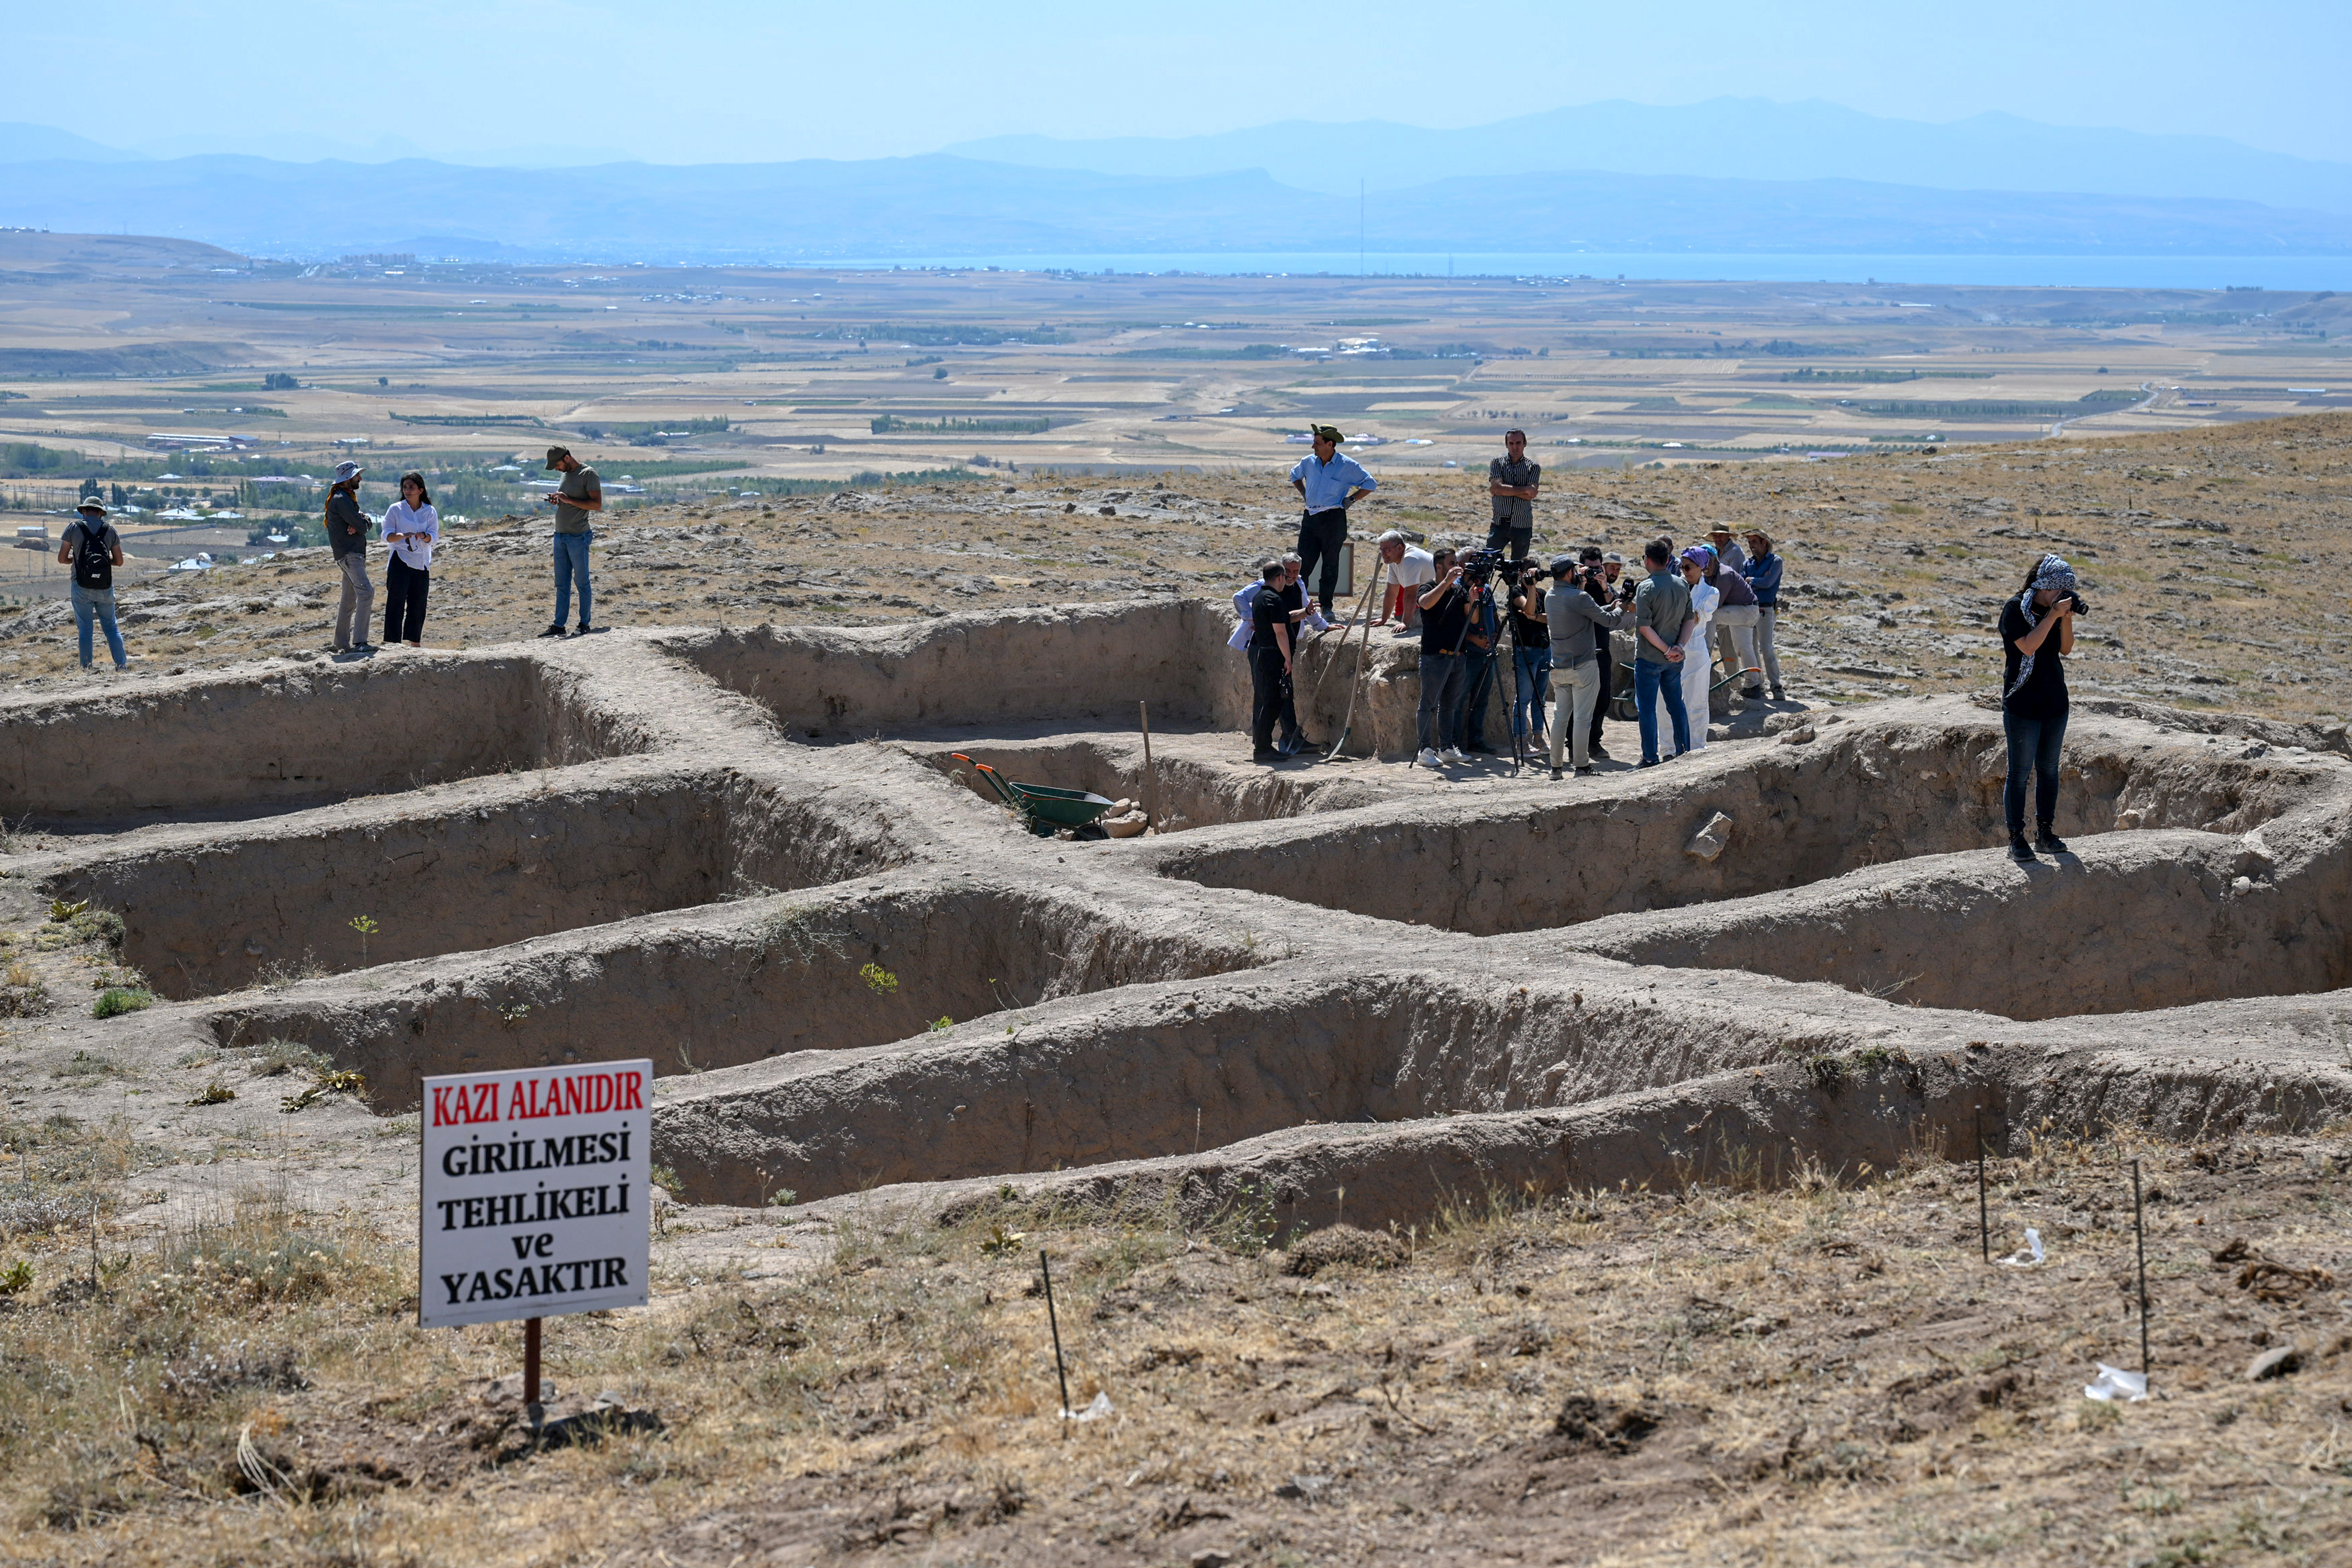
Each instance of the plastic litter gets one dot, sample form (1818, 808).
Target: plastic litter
(2029, 1255)
(2115, 1383)
(1095, 1412)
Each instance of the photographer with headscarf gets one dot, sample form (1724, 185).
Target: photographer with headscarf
(2037, 631)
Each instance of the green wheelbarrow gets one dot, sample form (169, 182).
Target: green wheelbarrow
(1042, 807)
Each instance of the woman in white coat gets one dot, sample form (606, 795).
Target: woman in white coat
(1698, 669)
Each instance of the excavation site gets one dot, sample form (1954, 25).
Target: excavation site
(1347, 1041)
(774, 858)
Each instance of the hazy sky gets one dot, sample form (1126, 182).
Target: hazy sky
(741, 79)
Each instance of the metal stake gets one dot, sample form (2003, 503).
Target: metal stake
(1150, 773)
(530, 1362)
(1051, 1321)
(1984, 1219)
(2139, 1241)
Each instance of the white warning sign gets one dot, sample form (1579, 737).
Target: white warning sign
(533, 1193)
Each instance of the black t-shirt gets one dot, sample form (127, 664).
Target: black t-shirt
(1444, 622)
(2045, 694)
(1532, 631)
(1294, 601)
(1266, 613)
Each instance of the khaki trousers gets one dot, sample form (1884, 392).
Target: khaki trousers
(1735, 634)
(358, 600)
(1571, 720)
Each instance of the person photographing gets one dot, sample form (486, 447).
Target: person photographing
(1444, 624)
(2037, 633)
(1577, 612)
(1269, 656)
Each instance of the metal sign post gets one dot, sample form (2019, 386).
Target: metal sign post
(534, 1197)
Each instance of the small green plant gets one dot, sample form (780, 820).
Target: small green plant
(116, 1000)
(942, 1024)
(513, 1016)
(879, 980)
(365, 925)
(61, 911)
(783, 1199)
(214, 1093)
(16, 1277)
(1000, 1242)
(666, 1180)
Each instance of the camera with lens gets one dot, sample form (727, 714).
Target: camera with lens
(2082, 605)
(1478, 567)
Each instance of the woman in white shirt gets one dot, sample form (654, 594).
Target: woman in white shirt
(410, 527)
(1698, 669)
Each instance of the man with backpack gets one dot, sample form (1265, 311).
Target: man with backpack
(92, 548)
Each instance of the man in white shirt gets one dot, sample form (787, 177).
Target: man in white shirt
(1411, 569)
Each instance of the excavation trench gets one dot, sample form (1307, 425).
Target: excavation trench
(1857, 796)
(1192, 790)
(273, 742)
(819, 973)
(277, 904)
(1177, 1070)
(2131, 923)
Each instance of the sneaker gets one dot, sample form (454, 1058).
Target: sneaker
(2049, 843)
(1585, 772)
(1268, 757)
(1647, 763)
(1751, 692)
(1428, 759)
(1780, 694)
(2020, 850)
(584, 630)
(363, 648)
(1454, 754)
(554, 631)
(1598, 753)
(1555, 774)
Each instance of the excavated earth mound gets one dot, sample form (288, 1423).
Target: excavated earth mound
(764, 859)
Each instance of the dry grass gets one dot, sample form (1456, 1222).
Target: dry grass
(1814, 1374)
(2242, 615)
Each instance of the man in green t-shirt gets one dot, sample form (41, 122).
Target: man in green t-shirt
(577, 494)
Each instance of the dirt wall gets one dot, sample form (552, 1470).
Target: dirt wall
(278, 741)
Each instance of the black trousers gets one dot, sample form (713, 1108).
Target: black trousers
(1608, 686)
(1519, 540)
(1320, 535)
(406, 590)
(1270, 700)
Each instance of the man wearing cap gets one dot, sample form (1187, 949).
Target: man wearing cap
(92, 548)
(1762, 570)
(1726, 554)
(1329, 484)
(577, 494)
(1512, 483)
(1579, 642)
(346, 532)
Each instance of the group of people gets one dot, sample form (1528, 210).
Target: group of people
(1709, 596)
(409, 526)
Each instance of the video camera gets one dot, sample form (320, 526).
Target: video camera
(1479, 566)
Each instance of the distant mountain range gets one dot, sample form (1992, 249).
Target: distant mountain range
(1510, 187)
(1723, 138)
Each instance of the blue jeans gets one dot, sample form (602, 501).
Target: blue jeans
(1649, 681)
(1532, 667)
(98, 602)
(2033, 747)
(571, 562)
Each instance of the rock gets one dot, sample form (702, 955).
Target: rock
(1798, 736)
(1210, 1557)
(1711, 840)
(2278, 1362)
